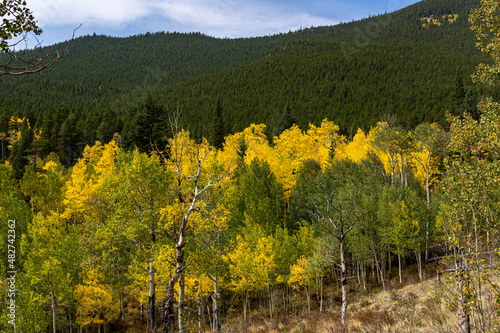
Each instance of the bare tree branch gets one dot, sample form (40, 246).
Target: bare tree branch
(21, 64)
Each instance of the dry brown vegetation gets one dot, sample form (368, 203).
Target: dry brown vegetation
(411, 307)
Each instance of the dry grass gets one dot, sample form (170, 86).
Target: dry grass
(416, 307)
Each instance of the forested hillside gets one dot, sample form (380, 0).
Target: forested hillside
(352, 73)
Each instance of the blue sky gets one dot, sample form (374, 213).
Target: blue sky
(219, 18)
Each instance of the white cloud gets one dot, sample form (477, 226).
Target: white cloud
(220, 18)
(100, 12)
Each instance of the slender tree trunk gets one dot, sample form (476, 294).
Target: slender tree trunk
(122, 315)
(402, 170)
(142, 313)
(363, 275)
(399, 265)
(270, 302)
(152, 297)
(170, 295)
(308, 291)
(245, 308)
(428, 192)
(380, 275)
(182, 328)
(216, 305)
(321, 296)
(391, 160)
(210, 319)
(343, 282)
(53, 308)
(200, 306)
(418, 256)
(463, 309)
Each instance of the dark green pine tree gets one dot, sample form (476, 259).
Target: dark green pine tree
(287, 121)
(148, 130)
(4, 130)
(217, 130)
(457, 95)
(469, 104)
(69, 141)
(19, 157)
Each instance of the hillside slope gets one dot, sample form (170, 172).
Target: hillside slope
(352, 73)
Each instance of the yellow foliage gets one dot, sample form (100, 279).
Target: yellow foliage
(358, 149)
(301, 273)
(86, 178)
(96, 301)
(197, 285)
(250, 267)
(294, 146)
(256, 140)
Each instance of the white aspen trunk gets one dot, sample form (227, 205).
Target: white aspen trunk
(210, 320)
(380, 275)
(216, 305)
(419, 263)
(402, 170)
(152, 296)
(463, 311)
(428, 192)
(308, 291)
(200, 306)
(343, 282)
(245, 308)
(270, 302)
(249, 310)
(399, 264)
(357, 272)
(391, 160)
(363, 279)
(182, 328)
(53, 308)
(321, 296)
(406, 173)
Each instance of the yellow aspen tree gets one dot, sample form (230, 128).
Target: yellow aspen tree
(45, 189)
(403, 233)
(52, 261)
(97, 303)
(137, 192)
(358, 149)
(86, 177)
(250, 266)
(430, 142)
(302, 274)
(196, 170)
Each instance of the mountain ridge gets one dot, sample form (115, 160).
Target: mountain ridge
(352, 73)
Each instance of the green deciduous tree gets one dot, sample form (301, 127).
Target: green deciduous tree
(485, 22)
(470, 215)
(337, 204)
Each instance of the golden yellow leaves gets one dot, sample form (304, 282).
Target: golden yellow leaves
(96, 301)
(249, 266)
(86, 178)
(302, 273)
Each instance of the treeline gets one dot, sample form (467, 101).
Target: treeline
(352, 73)
(249, 224)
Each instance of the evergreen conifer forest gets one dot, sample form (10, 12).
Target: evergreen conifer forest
(330, 179)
